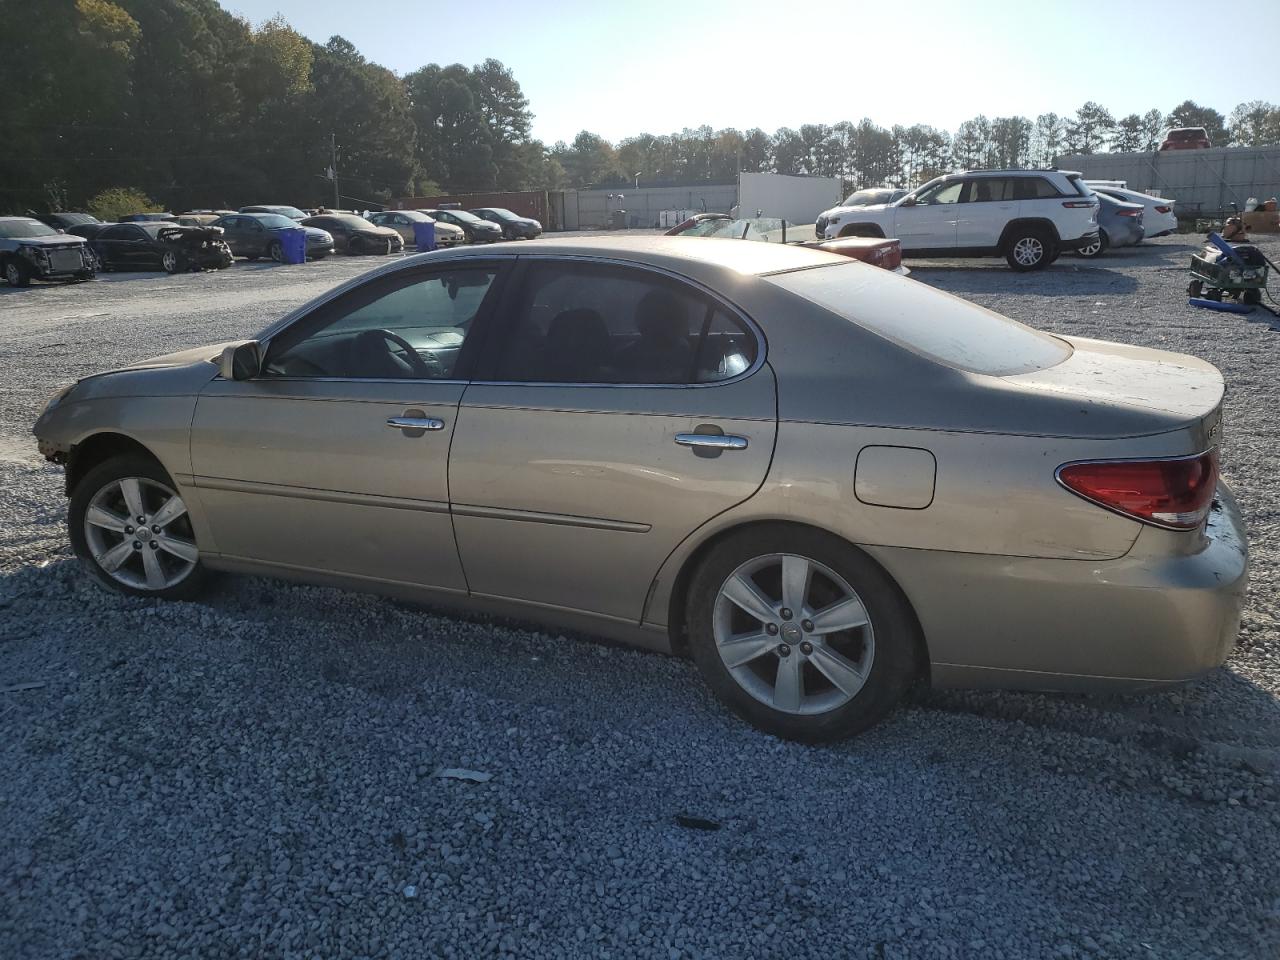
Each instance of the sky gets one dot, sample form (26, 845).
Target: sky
(620, 67)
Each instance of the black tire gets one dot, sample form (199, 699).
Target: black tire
(1097, 249)
(276, 251)
(1251, 297)
(1195, 288)
(105, 473)
(894, 660)
(1028, 248)
(1213, 294)
(16, 273)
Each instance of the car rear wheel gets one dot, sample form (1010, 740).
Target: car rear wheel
(15, 274)
(1028, 249)
(170, 261)
(276, 251)
(799, 633)
(131, 530)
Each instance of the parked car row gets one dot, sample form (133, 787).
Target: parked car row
(72, 245)
(1030, 217)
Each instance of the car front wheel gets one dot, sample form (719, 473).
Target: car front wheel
(1096, 248)
(1028, 249)
(800, 633)
(131, 530)
(170, 261)
(15, 274)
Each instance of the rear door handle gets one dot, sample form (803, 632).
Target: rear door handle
(711, 441)
(415, 423)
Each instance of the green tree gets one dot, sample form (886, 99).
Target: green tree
(1089, 130)
(1255, 124)
(116, 202)
(1130, 134)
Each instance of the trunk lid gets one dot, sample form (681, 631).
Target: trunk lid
(1115, 390)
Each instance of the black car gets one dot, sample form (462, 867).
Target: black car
(157, 245)
(254, 235)
(352, 234)
(29, 248)
(514, 226)
(477, 230)
(66, 219)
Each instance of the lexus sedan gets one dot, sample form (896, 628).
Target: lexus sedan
(514, 226)
(822, 481)
(353, 234)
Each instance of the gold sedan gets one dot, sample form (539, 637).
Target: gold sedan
(822, 481)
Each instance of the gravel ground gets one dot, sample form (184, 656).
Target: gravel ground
(258, 774)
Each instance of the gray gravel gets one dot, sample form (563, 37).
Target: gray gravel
(257, 774)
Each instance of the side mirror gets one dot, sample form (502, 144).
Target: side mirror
(241, 361)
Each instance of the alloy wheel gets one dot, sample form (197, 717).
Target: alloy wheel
(140, 535)
(1028, 251)
(1092, 250)
(169, 261)
(13, 274)
(793, 633)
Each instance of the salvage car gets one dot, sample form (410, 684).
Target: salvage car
(31, 249)
(514, 226)
(257, 235)
(402, 221)
(356, 235)
(160, 246)
(477, 230)
(1119, 225)
(824, 482)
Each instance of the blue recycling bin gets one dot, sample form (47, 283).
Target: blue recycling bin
(424, 236)
(293, 241)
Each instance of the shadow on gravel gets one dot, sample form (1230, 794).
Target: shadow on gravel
(1059, 280)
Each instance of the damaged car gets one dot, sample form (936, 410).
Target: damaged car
(31, 249)
(160, 246)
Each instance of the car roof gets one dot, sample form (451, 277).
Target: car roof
(21, 219)
(738, 256)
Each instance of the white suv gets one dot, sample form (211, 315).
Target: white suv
(1027, 216)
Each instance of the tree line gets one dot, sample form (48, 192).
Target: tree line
(194, 107)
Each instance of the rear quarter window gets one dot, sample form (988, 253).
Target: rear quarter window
(925, 321)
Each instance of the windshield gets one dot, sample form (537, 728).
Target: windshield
(25, 228)
(502, 213)
(463, 215)
(75, 219)
(274, 221)
(864, 198)
(936, 325)
(355, 223)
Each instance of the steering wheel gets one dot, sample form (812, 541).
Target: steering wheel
(422, 369)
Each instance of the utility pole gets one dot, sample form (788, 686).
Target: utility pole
(333, 169)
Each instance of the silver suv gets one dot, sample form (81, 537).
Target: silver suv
(1027, 216)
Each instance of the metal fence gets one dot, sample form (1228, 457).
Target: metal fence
(594, 207)
(1203, 183)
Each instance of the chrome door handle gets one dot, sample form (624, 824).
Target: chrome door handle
(713, 441)
(415, 423)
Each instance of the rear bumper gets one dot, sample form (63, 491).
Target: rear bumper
(1149, 618)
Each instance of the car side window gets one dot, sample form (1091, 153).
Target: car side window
(943, 193)
(119, 232)
(586, 323)
(989, 189)
(407, 328)
(1034, 188)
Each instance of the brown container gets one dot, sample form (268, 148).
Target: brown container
(1262, 221)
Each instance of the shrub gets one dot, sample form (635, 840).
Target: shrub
(111, 205)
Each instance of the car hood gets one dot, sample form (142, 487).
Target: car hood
(60, 240)
(317, 232)
(865, 208)
(376, 232)
(487, 226)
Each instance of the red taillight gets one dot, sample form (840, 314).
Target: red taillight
(1173, 493)
(1163, 209)
(1129, 213)
(1079, 203)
